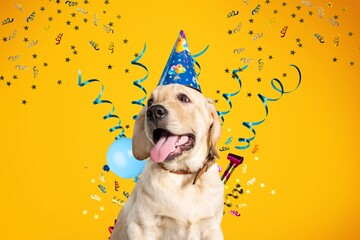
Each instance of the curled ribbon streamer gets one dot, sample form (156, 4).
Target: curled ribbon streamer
(99, 101)
(198, 55)
(227, 96)
(233, 194)
(137, 82)
(264, 100)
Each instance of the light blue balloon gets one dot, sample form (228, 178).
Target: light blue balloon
(121, 160)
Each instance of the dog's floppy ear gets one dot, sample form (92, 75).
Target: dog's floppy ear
(215, 128)
(141, 145)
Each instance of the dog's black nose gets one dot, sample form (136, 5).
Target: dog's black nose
(156, 112)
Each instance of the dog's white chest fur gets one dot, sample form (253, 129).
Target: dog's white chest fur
(172, 207)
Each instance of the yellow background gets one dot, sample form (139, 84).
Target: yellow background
(53, 147)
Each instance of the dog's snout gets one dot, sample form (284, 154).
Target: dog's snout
(156, 112)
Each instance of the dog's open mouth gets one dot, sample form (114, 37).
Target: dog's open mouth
(168, 146)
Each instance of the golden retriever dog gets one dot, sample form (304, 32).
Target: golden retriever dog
(179, 194)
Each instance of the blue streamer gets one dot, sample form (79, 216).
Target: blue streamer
(264, 100)
(227, 96)
(98, 100)
(137, 82)
(198, 55)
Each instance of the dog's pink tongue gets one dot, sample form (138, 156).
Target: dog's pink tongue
(165, 146)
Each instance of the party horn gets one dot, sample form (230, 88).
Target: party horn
(235, 161)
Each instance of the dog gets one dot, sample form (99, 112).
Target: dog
(179, 194)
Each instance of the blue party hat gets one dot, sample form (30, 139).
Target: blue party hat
(180, 66)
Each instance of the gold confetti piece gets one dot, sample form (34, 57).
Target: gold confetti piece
(238, 28)
(257, 36)
(32, 43)
(7, 21)
(31, 17)
(71, 3)
(242, 205)
(108, 29)
(95, 197)
(337, 40)
(239, 50)
(19, 7)
(14, 58)
(321, 12)
(21, 67)
(251, 181)
(118, 201)
(244, 168)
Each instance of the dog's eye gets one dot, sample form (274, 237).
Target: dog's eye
(183, 98)
(150, 102)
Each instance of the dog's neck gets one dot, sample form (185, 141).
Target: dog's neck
(210, 160)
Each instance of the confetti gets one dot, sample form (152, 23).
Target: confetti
(257, 36)
(21, 67)
(31, 17)
(117, 186)
(239, 50)
(242, 205)
(235, 161)
(126, 194)
(233, 194)
(95, 45)
(19, 7)
(251, 181)
(95, 197)
(256, 147)
(232, 13)
(244, 168)
(238, 27)
(32, 43)
(224, 149)
(333, 22)
(108, 29)
(321, 12)
(102, 178)
(12, 36)
(111, 47)
(235, 213)
(229, 140)
(82, 10)
(96, 19)
(337, 40)
(58, 38)
(7, 21)
(117, 201)
(102, 188)
(256, 10)
(14, 58)
(307, 3)
(71, 3)
(283, 31)
(260, 64)
(246, 60)
(319, 37)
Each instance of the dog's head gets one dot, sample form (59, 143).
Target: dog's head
(177, 124)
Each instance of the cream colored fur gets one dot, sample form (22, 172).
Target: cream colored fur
(165, 205)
